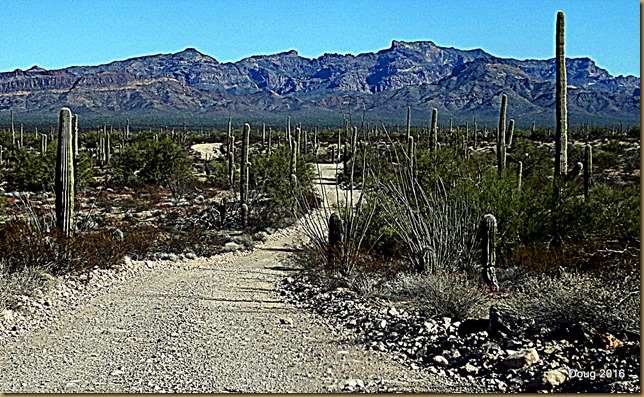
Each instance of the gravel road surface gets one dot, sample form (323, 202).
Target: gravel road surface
(204, 325)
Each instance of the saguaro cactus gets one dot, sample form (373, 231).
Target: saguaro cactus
(64, 183)
(433, 133)
(520, 175)
(500, 138)
(561, 139)
(588, 172)
(43, 145)
(243, 177)
(263, 135)
(75, 133)
(13, 130)
(488, 250)
(335, 230)
(510, 132)
(474, 132)
(293, 164)
(408, 123)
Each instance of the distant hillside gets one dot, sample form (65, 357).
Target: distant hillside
(195, 88)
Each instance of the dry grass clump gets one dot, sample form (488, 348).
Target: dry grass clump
(572, 297)
(444, 293)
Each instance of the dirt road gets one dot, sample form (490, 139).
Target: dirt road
(213, 325)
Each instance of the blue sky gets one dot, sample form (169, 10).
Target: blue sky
(60, 33)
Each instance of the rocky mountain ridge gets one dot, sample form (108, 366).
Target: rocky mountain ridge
(460, 83)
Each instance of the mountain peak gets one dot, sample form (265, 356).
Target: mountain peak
(36, 68)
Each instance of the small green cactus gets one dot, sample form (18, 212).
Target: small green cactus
(336, 230)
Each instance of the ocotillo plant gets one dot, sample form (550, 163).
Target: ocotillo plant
(488, 250)
(433, 133)
(500, 138)
(588, 172)
(561, 139)
(64, 183)
(243, 177)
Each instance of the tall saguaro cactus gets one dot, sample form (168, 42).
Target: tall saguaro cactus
(243, 169)
(488, 250)
(500, 138)
(408, 123)
(64, 183)
(13, 130)
(433, 138)
(561, 139)
(75, 134)
(588, 172)
(510, 132)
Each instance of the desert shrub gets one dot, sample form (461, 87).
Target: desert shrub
(270, 178)
(28, 170)
(444, 293)
(572, 296)
(149, 162)
(217, 173)
(24, 282)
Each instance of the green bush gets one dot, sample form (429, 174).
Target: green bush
(270, 177)
(28, 170)
(149, 162)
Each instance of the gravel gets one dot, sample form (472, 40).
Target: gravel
(193, 325)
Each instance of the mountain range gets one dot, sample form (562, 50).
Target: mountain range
(194, 88)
